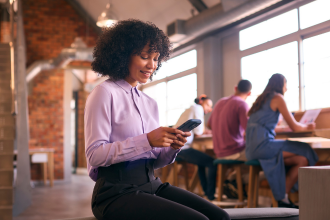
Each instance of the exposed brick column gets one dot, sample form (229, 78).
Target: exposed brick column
(5, 32)
(82, 97)
(46, 117)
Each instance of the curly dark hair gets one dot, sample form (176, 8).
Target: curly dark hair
(120, 41)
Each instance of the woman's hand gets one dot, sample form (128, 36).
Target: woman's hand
(311, 126)
(177, 144)
(164, 137)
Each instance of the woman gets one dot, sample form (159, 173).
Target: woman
(277, 155)
(124, 143)
(203, 105)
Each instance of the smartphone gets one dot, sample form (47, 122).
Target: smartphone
(189, 125)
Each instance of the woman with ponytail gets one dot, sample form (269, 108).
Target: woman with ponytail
(202, 106)
(279, 159)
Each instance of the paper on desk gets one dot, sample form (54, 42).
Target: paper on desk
(310, 116)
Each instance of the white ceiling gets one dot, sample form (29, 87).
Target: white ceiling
(160, 12)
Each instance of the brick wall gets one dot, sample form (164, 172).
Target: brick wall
(4, 32)
(82, 97)
(50, 26)
(46, 117)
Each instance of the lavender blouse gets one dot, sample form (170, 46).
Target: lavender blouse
(117, 120)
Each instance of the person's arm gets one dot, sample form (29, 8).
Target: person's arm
(199, 114)
(99, 151)
(209, 122)
(166, 156)
(242, 115)
(278, 103)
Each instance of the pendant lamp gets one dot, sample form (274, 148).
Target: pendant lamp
(107, 17)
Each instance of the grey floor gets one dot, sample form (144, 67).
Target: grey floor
(63, 200)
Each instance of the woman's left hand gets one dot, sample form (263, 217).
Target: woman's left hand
(177, 144)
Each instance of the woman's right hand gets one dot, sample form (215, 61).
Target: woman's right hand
(163, 136)
(311, 126)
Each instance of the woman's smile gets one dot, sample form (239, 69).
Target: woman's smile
(142, 66)
(147, 74)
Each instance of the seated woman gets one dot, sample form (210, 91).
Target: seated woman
(280, 159)
(203, 105)
(124, 143)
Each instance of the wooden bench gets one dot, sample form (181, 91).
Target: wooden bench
(249, 214)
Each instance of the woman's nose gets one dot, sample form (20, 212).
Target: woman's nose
(151, 64)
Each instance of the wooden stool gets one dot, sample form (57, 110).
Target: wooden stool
(222, 166)
(253, 189)
(172, 175)
(177, 166)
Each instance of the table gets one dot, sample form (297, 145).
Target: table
(50, 160)
(321, 145)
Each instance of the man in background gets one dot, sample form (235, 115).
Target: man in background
(228, 123)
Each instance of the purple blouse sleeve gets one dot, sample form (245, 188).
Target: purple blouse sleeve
(99, 152)
(167, 156)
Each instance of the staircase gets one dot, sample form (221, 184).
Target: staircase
(7, 135)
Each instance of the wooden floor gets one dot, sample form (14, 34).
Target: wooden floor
(63, 200)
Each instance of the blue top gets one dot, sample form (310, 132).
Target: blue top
(261, 145)
(266, 120)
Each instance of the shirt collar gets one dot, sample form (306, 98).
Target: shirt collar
(126, 86)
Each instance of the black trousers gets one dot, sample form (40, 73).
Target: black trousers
(117, 196)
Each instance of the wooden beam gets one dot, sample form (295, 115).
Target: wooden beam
(199, 5)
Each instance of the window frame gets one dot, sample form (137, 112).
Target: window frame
(178, 75)
(298, 36)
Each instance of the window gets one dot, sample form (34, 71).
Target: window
(259, 67)
(181, 94)
(173, 97)
(309, 68)
(268, 30)
(178, 64)
(317, 71)
(314, 13)
(158, 93)
(175, 87)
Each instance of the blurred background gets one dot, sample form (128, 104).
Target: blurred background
(45, 77)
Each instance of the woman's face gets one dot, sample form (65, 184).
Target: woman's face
(207, 105)
(142, 66)
(284, 87)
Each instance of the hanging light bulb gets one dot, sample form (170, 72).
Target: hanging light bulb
(107, 17)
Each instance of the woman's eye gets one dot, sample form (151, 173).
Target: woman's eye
(144, 58)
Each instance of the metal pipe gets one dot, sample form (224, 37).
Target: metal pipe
(67, 55)
(216, 17)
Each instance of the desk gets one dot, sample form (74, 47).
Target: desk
(310, 137)
(50, 160)
(204, 142)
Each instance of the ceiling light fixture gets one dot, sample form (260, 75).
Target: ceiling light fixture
(107, 17)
